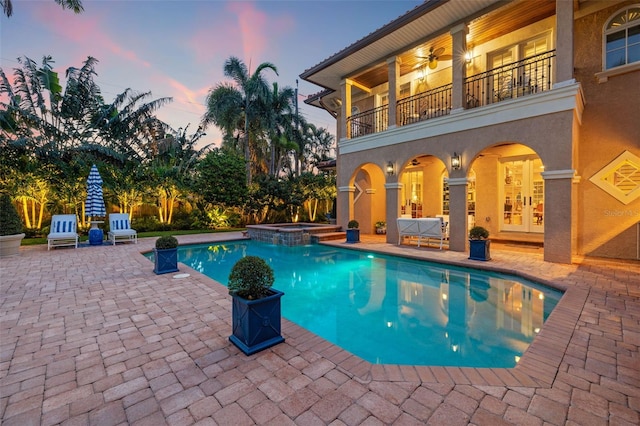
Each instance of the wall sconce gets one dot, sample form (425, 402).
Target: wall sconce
(455, 161)
(468, 56)
(390, 168)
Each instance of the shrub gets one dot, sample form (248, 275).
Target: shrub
(478, 233)
(10, 222)
(166, 242)
(353, 224)
(250, 278)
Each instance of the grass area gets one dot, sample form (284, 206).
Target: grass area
(43, 240)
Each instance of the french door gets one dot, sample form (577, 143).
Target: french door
(522, 194)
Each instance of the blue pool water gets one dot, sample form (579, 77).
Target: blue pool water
(392, 310)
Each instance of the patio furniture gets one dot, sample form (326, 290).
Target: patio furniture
(426, 227)
(120, 228)
(63, 231)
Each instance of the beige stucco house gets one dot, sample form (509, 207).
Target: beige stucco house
(519, 116)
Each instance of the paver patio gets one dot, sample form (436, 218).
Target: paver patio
(92, 336)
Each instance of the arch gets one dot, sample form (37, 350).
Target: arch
(509, 190)
(421, 177)
(369, 196)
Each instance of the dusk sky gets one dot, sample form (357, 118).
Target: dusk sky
(177, 48)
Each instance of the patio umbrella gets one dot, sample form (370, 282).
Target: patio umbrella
(94, 205)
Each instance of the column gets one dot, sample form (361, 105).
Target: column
(458, 232)
(558, 215)
(458, 66)
(344, 209)
(564, 43)
(393, 65)
(393, 207)
(345, 94)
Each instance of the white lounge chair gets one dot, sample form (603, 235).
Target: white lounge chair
(120, 228)
(63, 231)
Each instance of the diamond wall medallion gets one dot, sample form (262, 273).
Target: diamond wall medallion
(620, 178)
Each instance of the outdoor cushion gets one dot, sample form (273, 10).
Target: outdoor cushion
(120, 228)
(63, 231)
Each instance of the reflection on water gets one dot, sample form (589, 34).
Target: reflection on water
(391, 310)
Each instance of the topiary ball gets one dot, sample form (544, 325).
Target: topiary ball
(250, 278)
(166, 242)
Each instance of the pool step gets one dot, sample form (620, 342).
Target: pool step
(325, 236)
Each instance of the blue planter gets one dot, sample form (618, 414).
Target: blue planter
(353, 235)
(165, 260)
(256, 323)
(95, 236)
(480, 250)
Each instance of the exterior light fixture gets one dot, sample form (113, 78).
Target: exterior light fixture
(455, 161)
(468, 56)
(390, 168)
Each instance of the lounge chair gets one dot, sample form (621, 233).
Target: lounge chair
(63, 231)
(120, 228)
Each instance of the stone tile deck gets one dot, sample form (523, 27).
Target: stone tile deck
(92, 336)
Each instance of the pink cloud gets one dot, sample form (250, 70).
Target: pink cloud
(242, 30)
(183, 94)
(83, 32)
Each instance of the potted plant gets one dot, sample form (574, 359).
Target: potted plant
(255, 309)
(479, 244)
(381, 227)
(353, 231)
(11, 234)
(165, 255)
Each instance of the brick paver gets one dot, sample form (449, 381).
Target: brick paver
(93, 336)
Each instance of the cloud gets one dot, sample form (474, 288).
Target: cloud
(84, 33)
(240, 29)
(259, 31)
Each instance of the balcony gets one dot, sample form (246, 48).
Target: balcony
(519, 79)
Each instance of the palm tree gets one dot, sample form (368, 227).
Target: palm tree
(280, 119)
(235, 108)
(75, 5)
(66, 130)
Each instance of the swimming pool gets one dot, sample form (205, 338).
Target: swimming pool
(391, 310)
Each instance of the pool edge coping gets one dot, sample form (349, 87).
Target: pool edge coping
(538, 365)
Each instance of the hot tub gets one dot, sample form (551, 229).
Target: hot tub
(289, 234)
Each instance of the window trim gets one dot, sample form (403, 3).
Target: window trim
(607, 31)
(603, 76)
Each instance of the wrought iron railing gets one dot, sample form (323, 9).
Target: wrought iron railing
(432, 103)
(522, 78)
(368, 122)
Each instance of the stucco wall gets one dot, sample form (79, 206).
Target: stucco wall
(611, 125)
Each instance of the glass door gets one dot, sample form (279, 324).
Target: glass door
(522, 194)
(411, 193)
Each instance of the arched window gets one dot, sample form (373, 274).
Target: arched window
(622, 38)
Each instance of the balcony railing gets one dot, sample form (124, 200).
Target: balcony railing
(525, 77)
(522, 78)
(368, 122)
(432, 103)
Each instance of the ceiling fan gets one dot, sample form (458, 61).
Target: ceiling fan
(434, 56)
